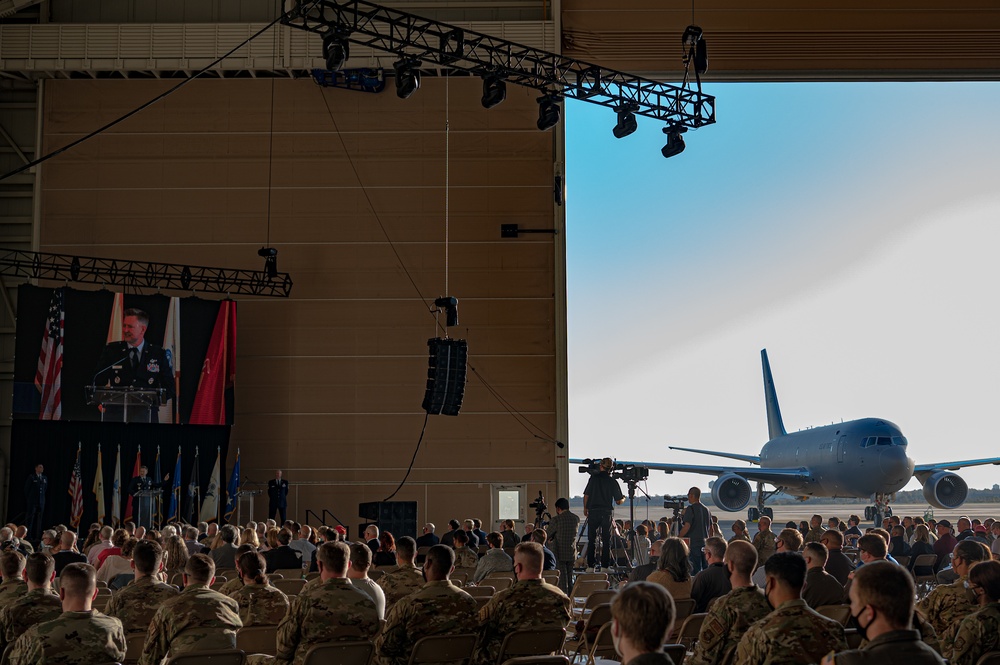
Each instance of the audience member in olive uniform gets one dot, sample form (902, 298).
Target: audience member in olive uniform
(13, 586)
(197, 619)
(40, 604)
(235, 584)
(465, 557)
(78, 636)
(792, 633)
(816, 530)
(882, 606)
(731, 615)
(437, 608)
(947, 604)
(406, 578)
(328, 612)
(821, 587)
(642, 615)
(979, 633)
(529, 603)
(764, 541)
(259, 603)
(136, 604)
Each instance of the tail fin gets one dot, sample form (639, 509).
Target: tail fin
(775, 427)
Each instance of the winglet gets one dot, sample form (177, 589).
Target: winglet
(775, 427)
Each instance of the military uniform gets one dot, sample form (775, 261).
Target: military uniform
(977, 634)
(793, 633)
(136, 604)
(11, 590)
(438, 608)
(197, 619)
(527, 604)
(896, 646)
(814, 535)
(400, 583)
(947, 604)
(73, 638)
(261, 605)
(232, 586)
(728, 618)
(466, 558)
(36, 606)
(331, 611)
(765, 542)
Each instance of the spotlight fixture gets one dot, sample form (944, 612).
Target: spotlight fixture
(336, 50)
(627, 123)
(407, 77)
(450, 307)
(270, 255)
(494, 91)
(549, 112)
(697, 51)
(675, 143)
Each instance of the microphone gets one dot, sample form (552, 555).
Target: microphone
(93, 381)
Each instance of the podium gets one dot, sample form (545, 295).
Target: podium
(144, 509)
(136, 405)
(248, 496)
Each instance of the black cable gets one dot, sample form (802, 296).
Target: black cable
(412, 460)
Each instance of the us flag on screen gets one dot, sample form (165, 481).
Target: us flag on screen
(76, 491)
(48, 378)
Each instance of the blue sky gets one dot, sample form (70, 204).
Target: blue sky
(849, 228)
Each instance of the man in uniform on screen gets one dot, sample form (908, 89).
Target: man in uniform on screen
(135, 363)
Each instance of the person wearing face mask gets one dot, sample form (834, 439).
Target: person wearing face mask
(979, 633)
(948, 604)
(642, 615)
(881, 609)
(792, 633)
(789, 540)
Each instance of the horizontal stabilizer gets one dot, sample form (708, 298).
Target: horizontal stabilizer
(752, 459)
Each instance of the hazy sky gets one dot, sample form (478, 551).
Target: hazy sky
(850, 229)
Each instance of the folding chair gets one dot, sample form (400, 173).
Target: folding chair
(591, 576)
(600, 597)
(376, 575)
(904, 561)
(538, 660)
(342, 653)
(603, 645)
(925, 561)
(443, 649)
(134, 642)
(532, 642)
(498, 583)
(839, 613)
(501, 575)
(676, 652)
(481, 591)
(580, 641)
(258, 639)
(583, 588)
(290, 587)
(218, 657)
(551, 577)
(289, 573)
(688, 633)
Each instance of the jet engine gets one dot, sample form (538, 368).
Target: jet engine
(944, 489)
(731, 492)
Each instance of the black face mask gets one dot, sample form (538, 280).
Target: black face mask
(856, 624)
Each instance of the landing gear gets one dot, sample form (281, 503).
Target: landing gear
(754, 514)
(880, 510)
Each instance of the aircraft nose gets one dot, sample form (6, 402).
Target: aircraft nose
(896, 467)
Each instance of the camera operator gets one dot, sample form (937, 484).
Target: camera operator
(599, 499)
(697, 525)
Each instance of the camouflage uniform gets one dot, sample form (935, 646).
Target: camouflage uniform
(196, 619)
(742, 536)
(261, 605)
(765, 542)
(136, 604)
(527, 604)
(466, 558)
(73, 638)
(331, 611)
(727, 620)
(36, 606)
(439, 608)
(977, 634)
(793, 633)
(814, 535)
(400, 583)
(947, 604)
(232, 586)
(11, 590)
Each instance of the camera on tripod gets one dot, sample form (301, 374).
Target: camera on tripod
(674, 503)
(630, 473)
(540, 510)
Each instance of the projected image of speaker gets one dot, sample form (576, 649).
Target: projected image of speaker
(445, 376)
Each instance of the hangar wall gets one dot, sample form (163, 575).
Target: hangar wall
(329, 382)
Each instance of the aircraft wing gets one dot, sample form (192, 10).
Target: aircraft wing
(954, 466)
(753, 459)
(777, 477)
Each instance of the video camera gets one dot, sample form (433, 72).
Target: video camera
(675, 503)
(630, 473)
(540, 509)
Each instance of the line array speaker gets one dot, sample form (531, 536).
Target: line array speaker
(446, 376)
(397, 517)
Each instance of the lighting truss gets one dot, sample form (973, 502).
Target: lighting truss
(393, 31)
(142, 275)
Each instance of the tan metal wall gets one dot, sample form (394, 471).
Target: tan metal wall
(329, 382)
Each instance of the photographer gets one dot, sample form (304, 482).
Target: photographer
(599, 499)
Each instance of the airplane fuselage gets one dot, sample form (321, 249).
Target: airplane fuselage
(852, 459)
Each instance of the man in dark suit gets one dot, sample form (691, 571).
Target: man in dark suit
(35, 488)
(135, 363)
(429, 539)
(277, 494)
(283, 556)
(142, 505)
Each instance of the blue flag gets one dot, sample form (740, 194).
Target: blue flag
(194, 489)
(175, 492)
(232, 489)
(157, 484)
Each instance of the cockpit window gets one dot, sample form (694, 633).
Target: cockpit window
(885, 441)
(899, 440)
(869, 441)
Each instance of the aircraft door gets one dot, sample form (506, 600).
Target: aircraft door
(841, 447)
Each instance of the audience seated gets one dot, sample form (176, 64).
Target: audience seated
(13, 585)
(136, 604)
(821, 588)
(673, 569)
(979, 633)
(788, 540)
(405, 579)
(713, 581)
(282, 556)
(357, 573)
(642, 615)
(259, 603)
(947, 604)
(465, 556)
(38, 605)
(495, 560)
(65, 552)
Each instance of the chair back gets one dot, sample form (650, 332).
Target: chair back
(104, 591)
(551, 577)
(532, 642)
(342, 653)
(498, 583)
(924, 561)
(599, 598)
(289, 573)
(538, 660)
(991, 658)
(676, 652)
(376, 575)
(290, 587)
(584, 588)
(904, 561)
(853, 638)
(684, 608)
(603, 645)
(591, 576)
(134, 642)
(688, 634)
(258, 639)
(443, 649)
(216, 657)
(480, 591)
(839, 613)
(461, 576)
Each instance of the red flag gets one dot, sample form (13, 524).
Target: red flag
(218, 371)
(76, 491)
(135, 472)
(48, 377)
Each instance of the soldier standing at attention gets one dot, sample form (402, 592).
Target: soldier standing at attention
(437, 608)
(277, 496)
(406, 578)
(40, 604)
(35, 489)
(197, 619)
(792, 633)
(530, 604)
(331, 611)
(78, 636)
(136, 604)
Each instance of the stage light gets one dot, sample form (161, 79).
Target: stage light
(336, 50)
(548, 113)
(270, 255)
(627, 122)
(675, 142)
(494, 91)
(407, 77)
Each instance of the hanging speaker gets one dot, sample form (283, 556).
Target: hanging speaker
(445, 376)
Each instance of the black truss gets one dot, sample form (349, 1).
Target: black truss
(428, 41)
(141, 275)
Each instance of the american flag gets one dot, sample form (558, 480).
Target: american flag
(48, 378)
(76, 491)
